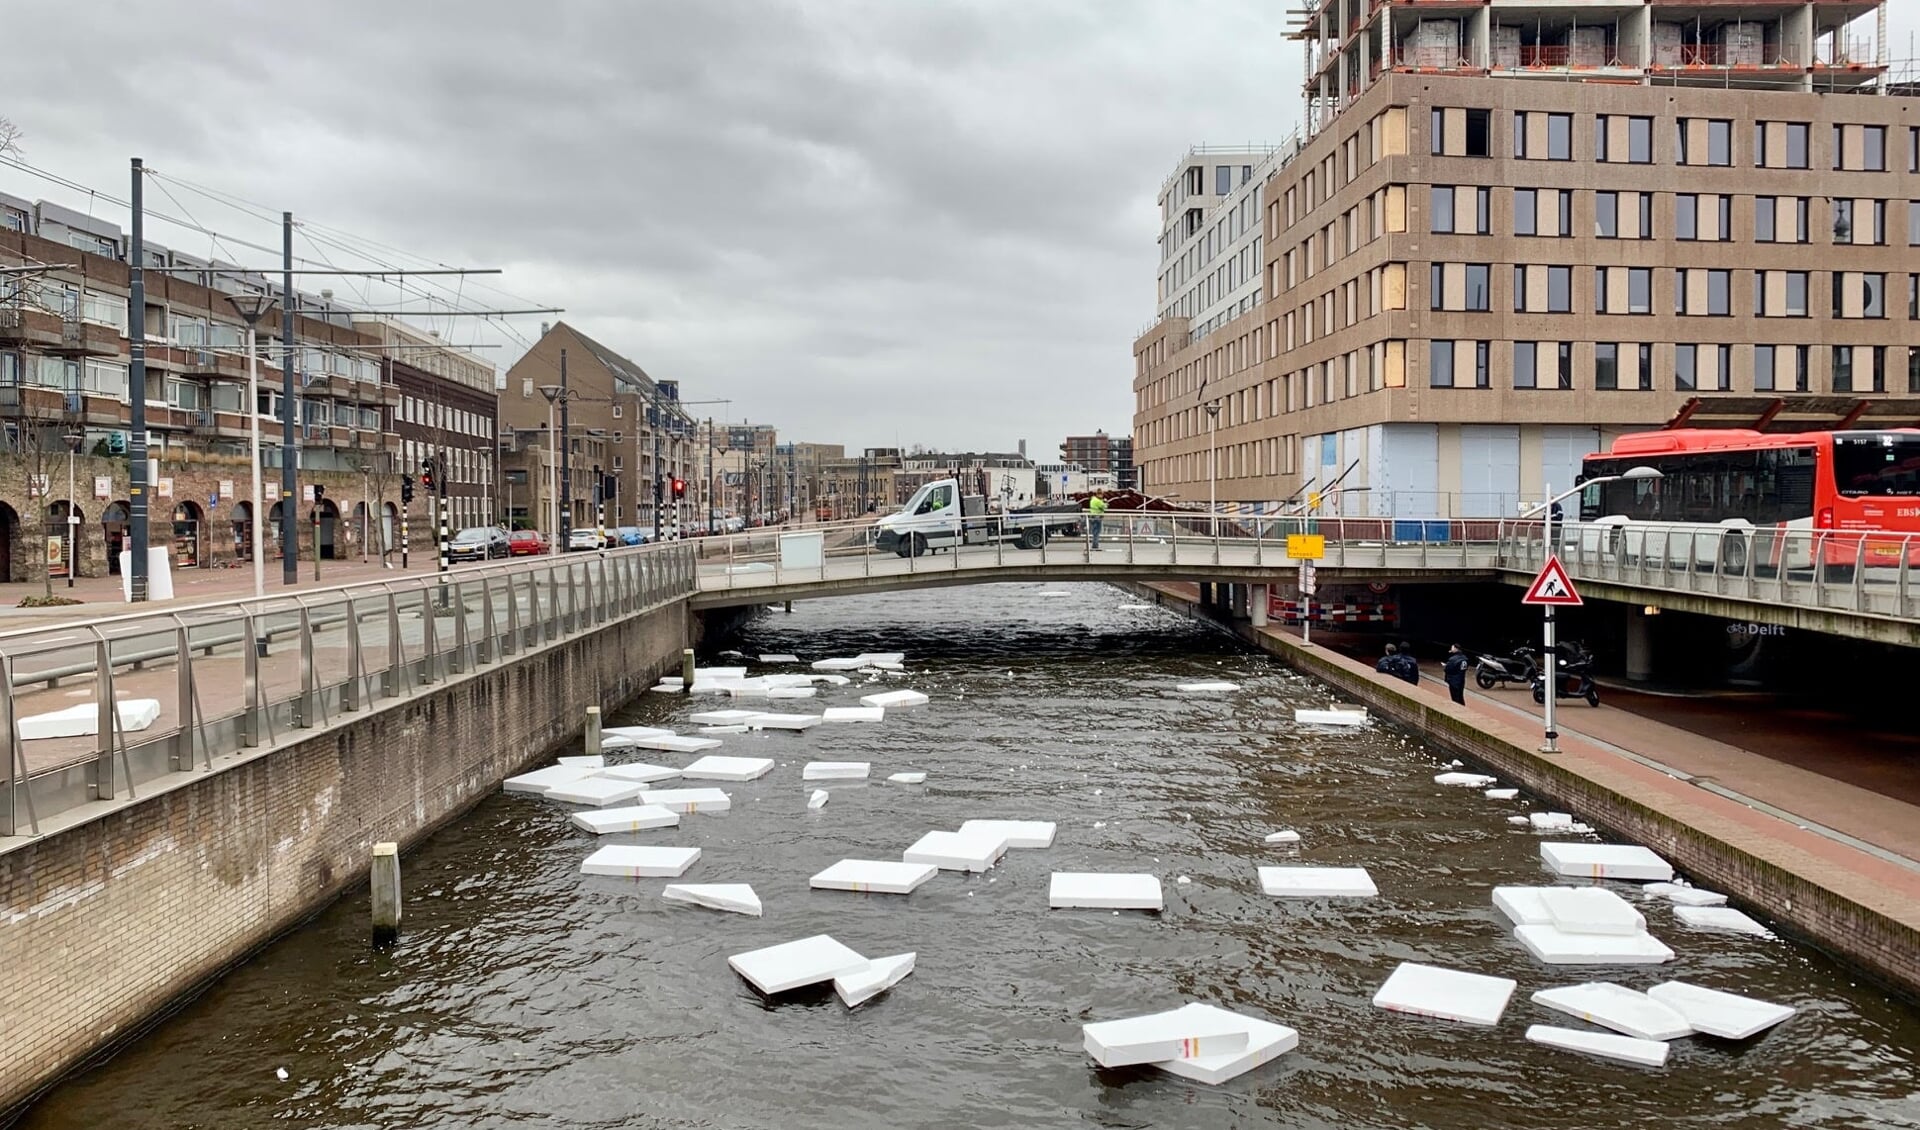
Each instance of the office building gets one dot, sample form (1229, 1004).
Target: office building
(1102, 455)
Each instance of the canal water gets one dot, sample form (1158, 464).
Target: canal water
(525, 994)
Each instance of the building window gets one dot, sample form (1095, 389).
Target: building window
(1519, 288)
(1606, 215)
(1566, 365)
(1640, 141)
(1482, 377)
(1559, 137)
(1606, 366)
(1843, 368)
(1440, 210)
(1724, 226)
(1526, 210)
(1686, 216)
(1523, 364)
(1646, 367)
(1873, 149)
(1440, 365)
(1482, 210)
(1684, 359)
(1479, 288)
(1797, 294)
(1913, 369)
(1764, 213)
(1913, 297)
(1791, 153)
(1763, 362)
(1639, 290)
(1719, 293)
(1559, 290)
(1437, 286)
(1719, 142)
(1479, 132)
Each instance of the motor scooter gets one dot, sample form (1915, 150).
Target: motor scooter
(1518, 667)
(1573, 676)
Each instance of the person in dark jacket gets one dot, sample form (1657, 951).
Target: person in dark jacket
(1390, 663)
(1456, 672)
(1409, 666)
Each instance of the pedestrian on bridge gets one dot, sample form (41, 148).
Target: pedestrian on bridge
(1456, 672)
(1096, 509)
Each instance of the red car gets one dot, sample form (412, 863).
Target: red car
(526, 543)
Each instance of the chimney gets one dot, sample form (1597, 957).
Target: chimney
(544, 328)
(1023, 449)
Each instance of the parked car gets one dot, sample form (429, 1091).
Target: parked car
(584, 537)
(527, 543)
(631, 535)
(478, 543)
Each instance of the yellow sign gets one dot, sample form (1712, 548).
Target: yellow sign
(1313, 500)
(1306, 547)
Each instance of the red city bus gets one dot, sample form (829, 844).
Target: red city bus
(1746, 484)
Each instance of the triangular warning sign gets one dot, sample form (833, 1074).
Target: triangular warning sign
(1552, 586)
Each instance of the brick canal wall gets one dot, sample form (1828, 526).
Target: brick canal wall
(105, 924)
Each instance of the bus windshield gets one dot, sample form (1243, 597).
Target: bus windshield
(1883, 465)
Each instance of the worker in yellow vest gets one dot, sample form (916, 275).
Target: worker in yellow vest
(1096, 509)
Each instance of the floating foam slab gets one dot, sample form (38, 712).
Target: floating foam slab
(957, 851)
(675, 743)
(670, 682)
(886, 665)
(635, 732)
(1727, 1015)
(634, 861)
(887, 699)
(708, 686)
(831, 680)
(782, 722)
(1502, 794)
(1103, 891)
(1523, 906)
(1017, 833)
(639, 771)
(735, 898)
(1627, 1049)
(700, 673)
(873, 877)
(780, 682)
(717, 731)
(1606, 861)
(1286, 837)
(719, 717)
(744, 689)
(854, 714)
(596, 792)
(835, 771)
(662, 688)
(1317, 882)
(1266, 1042)
(790, 965)
(839, 664)
(1550, 821)
(1684, 896)
(1445, 994)
(711, 768)
(540, 780)
(1720, 918)
(908, 778)
(688, 800)
(791, 692)
(633, 818)
(1465, 780)
(779, 659)
(1616, 1007)
(79, 721)
(1556, 947)
(590, 761)
(1161, 1036)
(1206, 688)
(880, 658)
(1354, 717)
(1590, 910)
(881, 974)
(818, 800)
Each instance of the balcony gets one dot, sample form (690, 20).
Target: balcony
(22, 326)
(86, 339)
(205, 363)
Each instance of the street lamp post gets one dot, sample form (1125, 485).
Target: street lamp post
(1550, 657)
(74, 440)
(251, 308)
(1213, 417)
(560, 394)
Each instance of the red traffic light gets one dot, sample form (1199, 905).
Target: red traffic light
(679, 488)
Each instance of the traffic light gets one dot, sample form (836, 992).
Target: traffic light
(679, 488)
(319, 493)
(426, 473)
(406, 488)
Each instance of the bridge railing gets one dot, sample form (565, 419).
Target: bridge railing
(236, 675)
(1868, 572)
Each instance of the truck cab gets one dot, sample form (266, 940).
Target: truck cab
(938, 516)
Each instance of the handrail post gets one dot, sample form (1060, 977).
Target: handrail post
(303, 712)
(1859, 574)
(1900, 583)
(19, 790)
(1819, 560)
(429, 640)
(101, 772)
(356, 663)
(391, 681)
(510, 644)
(250, 677)
(180, 758)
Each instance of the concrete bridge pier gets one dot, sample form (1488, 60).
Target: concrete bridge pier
(1639, 644)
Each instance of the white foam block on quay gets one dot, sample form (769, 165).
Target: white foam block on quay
(1356, 716)
(1161, 1036)
(790, 965)
(1286, 837)
(631, 818)
(1266, 1042)
(1590, 910)
(1616, 1007)
(1465, 780)
(79, 721)
(780, 659)
(700, 673)
(639, 771)
(596, 792)
(1091, 890)
(1317, 882)
(1727, 1015)
(1627, 1049)
(1445, 994)
(688, 800)
(782, 722)
(838, 664)
(836, 771)
(908, 778)
(636, 861)
(1723, 918)
(713, 768)
(957, 851)
(1207, 688)
(887, 699)
(719, 717)
(1523, 906)
(1684, 896)
(1017, 833)
(873, 876)
(735, 898)
(818, 800)
(1556, 947)
(675, 743)
(540, 780)
(854, 714)
(1502, 794)
(588, 761)
(635, 732)
(881, 974)
(1606, 861)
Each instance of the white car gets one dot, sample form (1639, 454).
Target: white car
(584, 537)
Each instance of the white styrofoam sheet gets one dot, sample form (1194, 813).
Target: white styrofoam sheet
(640, 771)
(1590, 910)
(1627, 1049)
(1017, 833)
(838, 664)
(700, 673)
(888, 699)
(596, 792)
(881, 657)
(84, 719)
(780, 658)
(1723, 918)
(1103, 890)
(1502, 794)
(817, 800)
(676, 743)
(719, 717)
(640, 861)
(957, 851)
(1556, 947)
(853, 714)
(1684, 896)
(790, 965)
(1465, 780)
(1286, 836)
(1266, 1042)
(585, 761)
(1215, 687)
(908, 778)
(1160, 1036)
(735, 898)
(791, 692)
(631, 818)
(769, 721)
(1445, 994)
(1727, 1015)
(635, 732)
(830, 680)
(1317, 882)
(1550, 821)
(1307, 716)
(882, 973)
(1606, 861)
(1616, 1007)
(836, 771)
(873, 877)
(540, 780)
(688, 800)
(1523, 906)
(715, 768)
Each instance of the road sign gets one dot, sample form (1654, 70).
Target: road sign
(1306, 547)
(1552, 586)
(1309, 583)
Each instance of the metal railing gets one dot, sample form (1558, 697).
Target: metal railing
(235, 675)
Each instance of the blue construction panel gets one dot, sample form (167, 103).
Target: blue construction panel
(1417, 530)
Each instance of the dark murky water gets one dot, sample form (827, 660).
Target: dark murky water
(526, 994)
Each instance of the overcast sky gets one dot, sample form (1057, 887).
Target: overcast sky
(895, 221)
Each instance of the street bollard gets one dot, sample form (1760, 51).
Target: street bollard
(593, 730)
(686, 671)
(386, 892)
